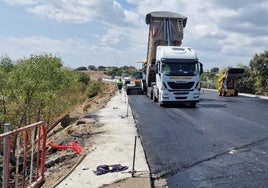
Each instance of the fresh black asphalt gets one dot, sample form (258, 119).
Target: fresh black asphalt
(223, 142)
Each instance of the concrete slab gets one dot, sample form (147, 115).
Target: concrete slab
(113, 145)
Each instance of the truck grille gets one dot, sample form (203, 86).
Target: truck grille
(174, 85)
(181, 98)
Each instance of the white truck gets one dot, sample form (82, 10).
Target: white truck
(172, 72)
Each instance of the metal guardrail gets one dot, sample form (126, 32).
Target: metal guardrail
(24, 165)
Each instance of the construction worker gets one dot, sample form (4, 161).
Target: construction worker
(119, 85)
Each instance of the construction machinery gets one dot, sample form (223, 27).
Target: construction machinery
(181, 84)
(227, 81)
(135, 86)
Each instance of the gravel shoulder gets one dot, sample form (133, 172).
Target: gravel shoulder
(112, 143)
(105, 128)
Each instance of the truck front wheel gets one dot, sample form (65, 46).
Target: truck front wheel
(192, 104)
(151, 95)
(236, 93)
(155, 99)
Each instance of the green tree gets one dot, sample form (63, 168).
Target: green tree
(112, 71)
(38, 88)
(215, 69)
(33, 84)
(119, 72)
(246, 83)
(94, 88)
(81, 68)
(208, 79)
(6, 63)
(92, 67)
(259, 68)
(6, 67)
(83, 78)
(101, 68)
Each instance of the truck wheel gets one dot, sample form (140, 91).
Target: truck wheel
(151, 95)
(143, 88)
(154, 98)
(236, 93)
(148, 93)
(193, 104)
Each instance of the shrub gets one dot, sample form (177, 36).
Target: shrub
(83, 78)
(81, 69)
(93, 89)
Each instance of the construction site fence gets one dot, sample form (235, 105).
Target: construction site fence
(23, 151)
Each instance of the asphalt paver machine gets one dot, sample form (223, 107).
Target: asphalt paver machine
(227, 82)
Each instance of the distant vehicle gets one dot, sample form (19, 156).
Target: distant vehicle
(138, 77)
(126, 78)
(136, 86)
(227, 81)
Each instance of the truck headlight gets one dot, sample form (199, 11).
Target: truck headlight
(196, 94)
(165, 96)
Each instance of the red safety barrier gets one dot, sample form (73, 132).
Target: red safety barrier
(24, 156)
(74, 146)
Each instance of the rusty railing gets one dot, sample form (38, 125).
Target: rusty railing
(24, 152)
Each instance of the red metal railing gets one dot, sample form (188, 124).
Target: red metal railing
(24, 165)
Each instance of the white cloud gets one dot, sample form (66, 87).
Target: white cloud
(112, 36)
(19, 47)
(65, 11)
(81, 11)
(21, 2)
(74, 52)
(223, 33)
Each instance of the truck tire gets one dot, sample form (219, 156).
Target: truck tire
(151, 94)
(154, 98)
(143, 88)
(192, 104)
(236, 93)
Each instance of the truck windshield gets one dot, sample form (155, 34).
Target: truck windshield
(180, 69)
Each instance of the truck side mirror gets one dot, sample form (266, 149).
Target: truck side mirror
(201, 68)
(156, 69)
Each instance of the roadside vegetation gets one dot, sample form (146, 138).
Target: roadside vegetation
(94, 89)
(110, 71)
(38, 88)
(254, 80)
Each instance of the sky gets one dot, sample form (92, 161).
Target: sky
(114, 33)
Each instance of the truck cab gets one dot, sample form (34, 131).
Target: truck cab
(177, 76)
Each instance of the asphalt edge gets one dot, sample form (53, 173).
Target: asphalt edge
(242, 94)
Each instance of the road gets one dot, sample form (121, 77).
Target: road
(221, 143)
